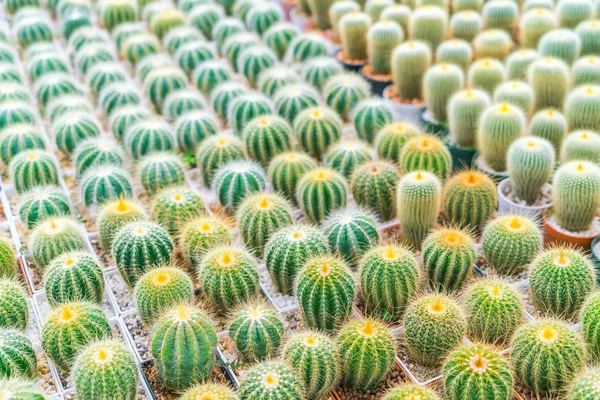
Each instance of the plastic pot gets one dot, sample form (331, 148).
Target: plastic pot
(412, 113)
(555, 236)
(377, 85)
(505, 205)
(596, 257)
(479, 164)
(350, 67)
(433, 126)
(462, 157)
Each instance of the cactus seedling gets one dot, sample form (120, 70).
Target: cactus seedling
(285, 171)
(18, 358)
(426, 153)
(113, 216)
(317, 128)
(53, 237)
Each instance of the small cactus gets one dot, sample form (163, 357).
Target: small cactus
(32, 168)
(215, 152)
(261, 16)
(534, 24)
(8, 259)
(586, 71)
(337, 10)
(500, 15)
(345, 156)
(253, 60)
(117, 95)
(317, 129)
(180, 36)
(410, 61)
(16, 112)
(285, 171)
(486, 74)
(53, 237)
(590, 324)
(271, 380)
(293, 99)
(426, 153)
(236, 180)
(518, 94)
(455, 51)
(518, 62)
(200, 235)
(236, 43)
(550, 125)
(571, 13)
(561, 44)
(369, 117)
(530, 163)
(492, 43)
(125, 117)
(318, 71)
(23, 389)
(581, 108)
(43, 202)
(585, 385)
(267, 136)
(391, 139)
(159, 83)
(163, 21)
(139, 46)
(175, 206)
(465, 109)
(215, 390)
(344, 91)
(399, 13)
(470, 198)
(54, 85)
(209, 74)
(588, 35)
(408, 390)
(149, 136)
(116, 12)
(279, 37)
(271, 80)
(192, 55)
(373, 184)
(465, 25)
(97, 151)
(105, 183)
(113, 216)
(14, 311)
(428, 24)
(246, 107)
(315, 187)
(581, 145)
(307, 46)
(204, 17)
(160, 170)
(17, 138)
(193, 127)
(18, 358)
(382, 38)
(181, 101)
(550, 80)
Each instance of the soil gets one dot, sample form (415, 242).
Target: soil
(341, 56)
(231, 358)
(543, 199)
(592, 232)
(368, 72)
(487, 270)
(392, 93)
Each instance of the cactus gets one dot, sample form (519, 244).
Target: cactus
(345, 156)
(236, 180)
(139, 246)
(561, 44)
(209, 74)
(492, 43)
(576, 188)
(374, 8)
(204, 17)
(337, 10)
(464, 112)
(159, 171)
(465, 25)
(426, 153)
(8, 260)
(550, 125)
(293, 99)
(510, 243)
(182, 101)
(94, 152)
(279, 37)
(33, 29)
(551, 343)
(103, 368)
(534, 24)
(74, 276)
(325, 291)
(382, 38)
(318, 71)
(530, 163)
(580, 108)
(254, 60)
(388, 277)
(369, 117)
(342, 92)
(455, 51)
(500, 15)
(433, 326)
(518, 62)
(119, 34)
(104, 183)
(581, 145)
(271, 80)
(285, 171)
(215, 152)
(588, 32)
(225, 28)
(320, 192)
(41, 203)
(69, 329)
(180, 36)
(12, 6)
(163, 21)
(149, 136)
(67, 104)
(486, 74)
(53, 237)
(37, 66)
(259, 216)
(160, 289)
(16, 112)
(117, 95)
(92, 54)
(191, 55)
(228, 276)
(408, 390)
(472, 370)
(585, 385)
(494, 310)
(126, 117)
(410, 61)
(399, 13)
(14, 92)
(113, 216)
(20, 389)
(193, 127)
(246, 107)
(571, 13)
(518, 94)
(235, 44)
(590, 324)
(14, 311)
(586, 71)
(391, 139)
(373, 184)
(428, 24)
(267, 136)
(159, 83)
(319, 10)
(32, 168)
(152, 62)
(183, 327)
(307, 46)
(215, 390)
(18, 358)
(500, 126)
(261, 16)
(116, 12)
(550, 80)
(73, 128)
(317, 128)
(418, 205)
(200, 235)
(271, 380)
(174, 206)
(257, 331)
(470, 199)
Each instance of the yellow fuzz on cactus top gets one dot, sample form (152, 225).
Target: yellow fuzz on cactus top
(297, 235)
(325, 270)
(437, 307)
(368, 329)
(103, 356)
(310, 341)
(321, 175)
(514, 223)
(140, 230)
(67, 314)
(122, 205)
(271, 380)
(226, 259)
(264, 122)
(181, 313)
(472, 178)
(389, 253)
(162, 278)
(177, 197)
(548, 335)
(487, 63)
(453, 238)
(478, 363)
(206, 227)
(222, 142)
(264, 202)
(495, 291)
(504, 108)
(562, 260)
(590, 90)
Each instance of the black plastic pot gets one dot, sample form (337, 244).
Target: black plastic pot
(462, 157)
(377, 86)
(433, 126)
(350, 67)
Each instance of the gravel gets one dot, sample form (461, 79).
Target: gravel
(393, 379)
(140, 337)
(592, 232)
(489, 271)
(121, 292)
(280, 301)
(45, 381)
(231, 358)
(421, 372)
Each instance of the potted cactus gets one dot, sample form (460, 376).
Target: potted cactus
(382, 38)
(353, 28)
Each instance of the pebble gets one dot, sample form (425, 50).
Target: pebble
(141, 338)
(592, 232)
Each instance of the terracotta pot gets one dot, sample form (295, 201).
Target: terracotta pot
(412, 113)
(554, 236)
(505, 205)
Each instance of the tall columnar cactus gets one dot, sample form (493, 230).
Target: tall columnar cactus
(510, 243)
(472, 370)
(465, 25)
(439, 83)
(149, 136)
(408, 390)
(160, 170)
(486, 74)
(346, 156)
(279, 37)
(337, 10)
(74, 276)
(138, 247)
(518, 62)
(244, 108)
(428, 24)
(369, 341)
(448, 258)
(293, 99)
(8, 260)
(534, 24)
(41, 203)
(259, 216)
(426, 153)
(53, 237)
(160, 289)
(571, 13)
(500, 15)
(410, 61)
(550, 343)
(320, 13)
(433, 326)
(418, 199)
(581, 107)
(581, 145)
(200, 235)
(494, 310)
(104, 183)
(550, 80)
(228, 276)
(465, 109)
(17, 138)
(391, 139)
(369, 117)
(236, 180)
(562, 44)
(317, 129)
(550, 125)
(69, 329)
(175, 206)
(267, 136)
(257, 331)
(576, 188)
(320, 192)
(560, 279)
(18, 358)
(183, 344)
(530, 163)
(113, 216)
(373, 184)
(590, 324)
(493, 43)
(318, 71)
(500, 125)
(313, 357)
(285, 171)
(14, 311)
(271, 380)
(388, 276)
(344, 91)
(382, 38)
(588, 32)
(325, 290)
(32, 168)
(104, 368)
(97, 151)
(215, 152)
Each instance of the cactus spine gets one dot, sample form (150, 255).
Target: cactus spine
(17, 357)
(271, 380)
(200, 235)
(285, 171)
(41, 203)
(317, 128)
(53, 237)
(426, 153)
(173, 207)
(410, 61)
(320, 192)
(373, 184)
(530, 163)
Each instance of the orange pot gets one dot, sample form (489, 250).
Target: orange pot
(554, 236)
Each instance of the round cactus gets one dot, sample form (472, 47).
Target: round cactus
(343, 91)
(174, 206)
(369, 117)
(215, 390)
(162, 22)
(426, 153)
(41, 203)
(407, 390)
(236, 180)
(576, 185)
(428, 24)
(510, 243)
(586, 71)
(518, 94)
(113, 216)
(492, 43)
(388, 277)
(236, 43)
(534, 24)
(228, 276)
(293, 99)
(275, 78)
(549, 78)
(37, 66)
(209, 74)
(72, 128)
(500, 15)
(215, 152)
(94, 152)
(391, 139)
(190, 56)
(160, 289)
(181, 101)
(104, 183)
(183, 327)
(103, 368)
(254, 60)
(139, 246)
(307, 46)
(14, 311)
(590, 324)
(494, 310)
(470, 199)
(464, 112)
(159, 171)
(325, 291)
(193, 127)
(345, 156)
(273, 380)
(20, 389)
(180, 36)
(433, 326)
(337, 10)
(267, 136)
(15, 112)
(465, 25)
(74, 276)
(373, 184)
(550, 343)
(69, 329)
(261, 16)
(399, 13)
(159, 83)
(204, 16)
(318, 71)
(455, 51)
(280, 36)
(115, 12)
(225, 28)
(32, 168)
(246, 107)
(472, 370)
(92, 54)
(33, 29)
(550, 125)
(320, 192)
(67, 104)
(581, 145)
(317, 129)
(125, 117)
(530, 163)
(8, 259)
(571, 13)
(18, 358)
(585, 385)
(117, 95)
(580, 108)
(200, 235)
(285, 171)
(53, 237)
(257, 331)
(148, 136)
(518, 62)
(14, 92)
(486, 74)
(150, 63)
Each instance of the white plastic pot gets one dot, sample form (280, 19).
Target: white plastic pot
(506, 206)
(412, 113)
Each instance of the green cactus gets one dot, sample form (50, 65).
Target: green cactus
(292, 99)
(152, 62)
(373, 184)
(193, 127)
(8, 259)
(254, 60)
(307, 46)
(518, 94)
(74, 276)
(163, 21)
(149, 136)
(174, 206)
(550, 125)
(319, 10)
(14, 92)
(228, 276)
(551, 343)
(391, 139)
(492, 43)
(204, 16)
(560, 44)
(475, 369)
(20, 389)
(14, 311)
(200, 235)
(455, 51)
(68, 103)
(13, 112)
(104, 183)
(590, 324)
(161, 288)
(113, 215)
(159, 83)
(33, 29)
(486, 74)
(320, 192)
(116, 96)
(571, 13)
(464, 112)
(214, 390)
(344, 91)
(399, 13)
(37, 66)
(317, 128)
(410, 61)
(13, 6)
(69, 329)
(271, 80)
(182, 101)
(585, 385)
(518, 62)
(18, 358)
(159, 171)
(470, 198)
(257, 331)
(586, 71)
(428, 24)
(426, 153)
(318, 71)
(285, 171)
(93, 54)
(369, 117)
(588, 32)
(236, 43)
(116, 12)
(433, 326)
(125, 117)
(246, 107)
(550, 80)
(382, 38)
(418, 204)
(191, 55)
(41, 203)
(180, 36)
(494, 310)
(279, 37)
(209, 74)
(73, 128)
(408, 391)
(530, 163)
(53, 237)
(119, 34)
(225, 28)
(140, 246)
(465, 25)
(510, 243)
(103, 368)
(581, 145)
(534, 24)
(273, 380)
(215, 152)
(500, 15)
(263, 15)
(183, 327)
(576, 188)
(374, 8)
(337, 10)
(236, 180)
(267, 136)
(580, 106)
(325, 291)
(345, 156)
(31, 168)
(94, 152)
